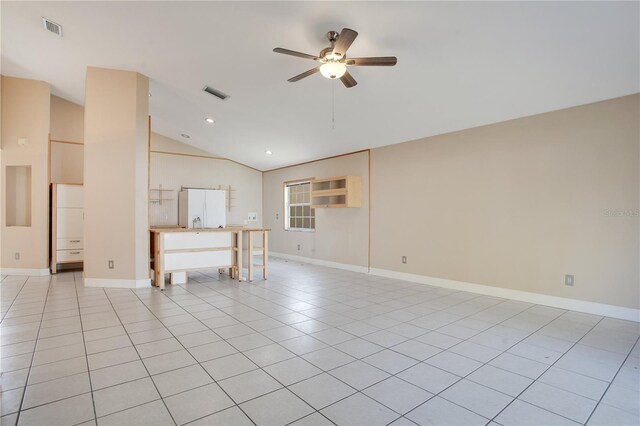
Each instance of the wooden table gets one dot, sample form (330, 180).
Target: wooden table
(179, 250)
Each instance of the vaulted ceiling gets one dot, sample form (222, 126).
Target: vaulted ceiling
(460, 65)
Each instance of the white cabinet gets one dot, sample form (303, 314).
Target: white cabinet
(69, 222)
(70, 196)
(67, 217)
(178, 250)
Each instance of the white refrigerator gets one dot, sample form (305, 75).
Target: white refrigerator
(202, 208)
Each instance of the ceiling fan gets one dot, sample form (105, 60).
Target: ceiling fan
(334, 61)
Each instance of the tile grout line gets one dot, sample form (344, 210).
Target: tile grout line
(44, 306)
(464, 340)
(413, 365)
(254, 302)
(14, 299)
(262, 367)
(541, 374)
(483, 363)
(86, 356)
(494, 325)
(611, 383)
(140, 358)
(198, 362)
(487, 363)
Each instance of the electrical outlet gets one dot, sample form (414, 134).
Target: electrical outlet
(252, 217)
(298, 247)
(17, 256)
(568, 280)
(111, 264)
(277, 216)
(404, 259)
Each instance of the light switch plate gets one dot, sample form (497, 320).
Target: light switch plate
(252, 217)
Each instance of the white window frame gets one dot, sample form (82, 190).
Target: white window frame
(287, 204)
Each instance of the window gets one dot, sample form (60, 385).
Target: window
(299, 216)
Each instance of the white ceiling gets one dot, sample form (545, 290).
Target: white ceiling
(460, 65)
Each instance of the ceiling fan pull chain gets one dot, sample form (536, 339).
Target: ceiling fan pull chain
(333, 106)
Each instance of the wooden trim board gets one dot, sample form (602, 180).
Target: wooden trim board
(210, 157)
(369, 207)
(319, 159)
(149, 187)
(69, 142)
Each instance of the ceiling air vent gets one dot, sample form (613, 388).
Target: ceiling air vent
(52, 26)
(218, 94)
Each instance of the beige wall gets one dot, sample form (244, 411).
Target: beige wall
(172, 171)
(25, 114)
(341, 234)
(67, 125)
(67, 163)
(518, 204)
(116, 175)
(193, 169)
(67, 120)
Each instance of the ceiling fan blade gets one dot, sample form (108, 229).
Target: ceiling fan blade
(294, 53)
(348, 80)
(304, 74)
(346, 37)
(384, 61)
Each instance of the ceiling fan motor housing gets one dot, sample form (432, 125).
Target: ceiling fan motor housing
(332, 36)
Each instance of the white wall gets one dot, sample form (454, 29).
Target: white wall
(67, 136)
(174, 164)
(341, 234)
(25, 114)
(519, 204)
(116, 221)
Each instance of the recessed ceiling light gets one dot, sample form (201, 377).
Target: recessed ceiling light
(268, 152)
(184, 135)
(209, 120)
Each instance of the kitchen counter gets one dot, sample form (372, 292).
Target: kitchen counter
(177, 250)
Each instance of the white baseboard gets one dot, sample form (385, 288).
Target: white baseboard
(612, 311)
(116, 283)
(603, 309)
(320, 262)
(32, 272)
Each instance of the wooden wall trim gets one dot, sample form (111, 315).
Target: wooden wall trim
(210, 157)
(149, 193)
(69, 142)
(319, 159)
(299, 180)
(369, 238)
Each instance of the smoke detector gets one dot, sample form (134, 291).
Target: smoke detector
(52, 26)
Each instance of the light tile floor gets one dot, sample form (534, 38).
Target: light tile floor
(311, 346)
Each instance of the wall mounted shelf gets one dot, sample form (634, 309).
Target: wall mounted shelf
(336, 192)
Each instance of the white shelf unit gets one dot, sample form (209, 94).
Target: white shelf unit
(67, 223)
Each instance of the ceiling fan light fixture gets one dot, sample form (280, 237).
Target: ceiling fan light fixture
(333, 70)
